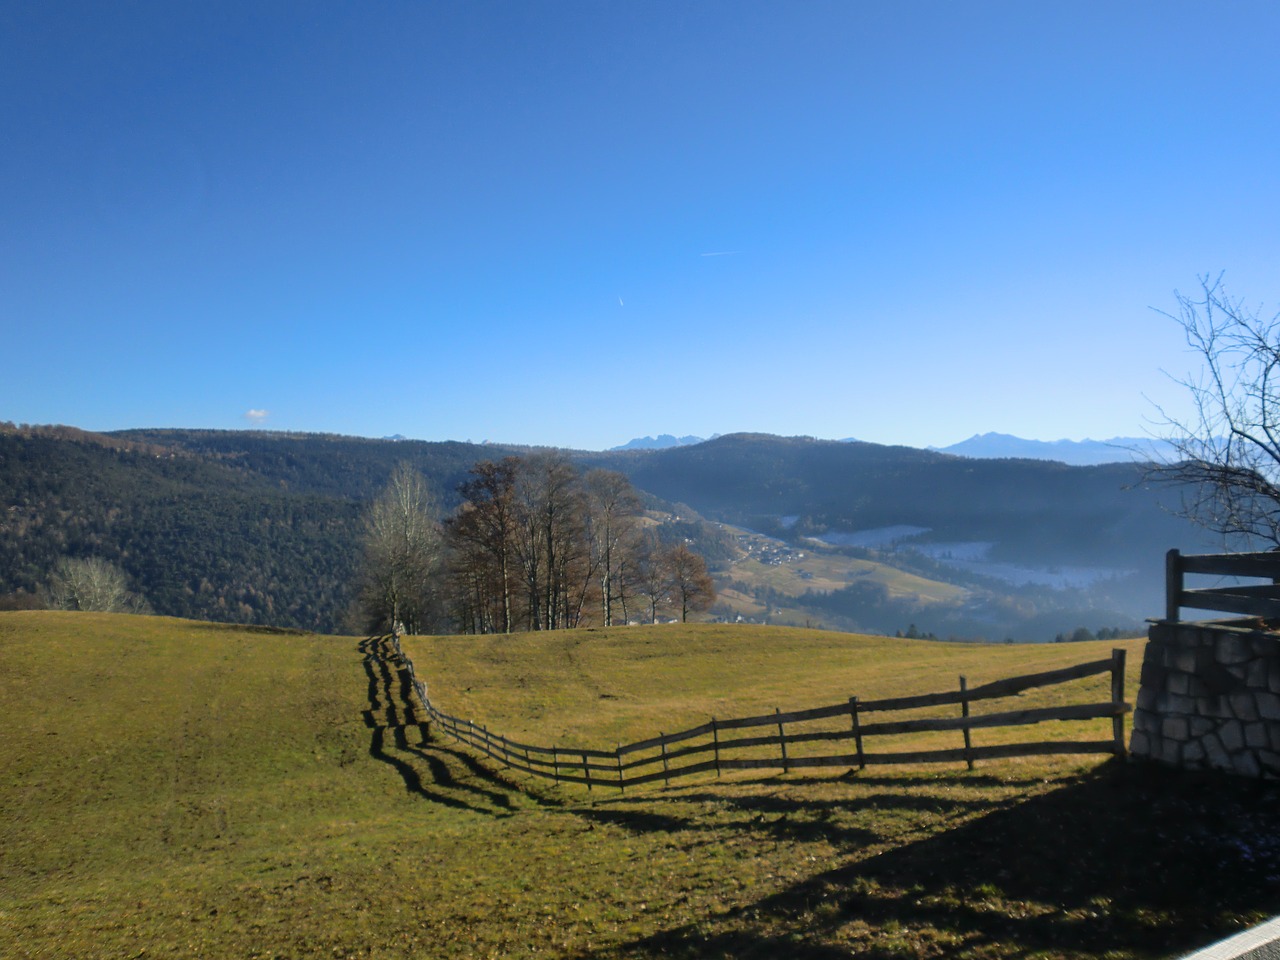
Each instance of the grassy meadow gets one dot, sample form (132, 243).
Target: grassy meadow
(815, 568)
(180, 789)
(599, 688)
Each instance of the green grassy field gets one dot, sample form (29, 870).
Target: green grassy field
(179, 789)
(598, 688)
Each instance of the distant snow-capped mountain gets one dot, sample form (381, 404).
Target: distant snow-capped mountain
(661, 442)
(1074, 452)
(991, 446)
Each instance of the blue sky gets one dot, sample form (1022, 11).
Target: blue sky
(576, 223)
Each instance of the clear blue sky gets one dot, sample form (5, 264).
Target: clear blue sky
(576, 223)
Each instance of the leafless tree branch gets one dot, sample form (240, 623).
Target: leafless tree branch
(1225, 455)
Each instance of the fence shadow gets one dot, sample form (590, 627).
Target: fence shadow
(733, 744)
(428, 770)
(1125, 858)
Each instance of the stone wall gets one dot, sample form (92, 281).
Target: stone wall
(1210, 698)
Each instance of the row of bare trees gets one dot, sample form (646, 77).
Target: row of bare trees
(534, 545)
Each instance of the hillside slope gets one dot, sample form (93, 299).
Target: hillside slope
(197, 537)
(180, 789)
(1042, 547)
(254, 527)
(352, 468)
(1034, 509)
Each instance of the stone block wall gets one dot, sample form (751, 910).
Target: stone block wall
(1210, 698)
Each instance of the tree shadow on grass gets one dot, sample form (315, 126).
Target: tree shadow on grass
(1134, 860)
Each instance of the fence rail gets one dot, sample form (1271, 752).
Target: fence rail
(705, 748)
(1256, 600)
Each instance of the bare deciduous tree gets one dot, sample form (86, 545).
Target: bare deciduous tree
(691, 586)
(646, 575)
(402, 548)
(549, 540)
(1226, 452)
(613, 508)
(482, 535)
(92, 583)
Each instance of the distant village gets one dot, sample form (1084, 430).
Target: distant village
(771, 552)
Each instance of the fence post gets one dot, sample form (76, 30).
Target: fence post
(857, 732)
(476, 735)
(782, 740)
(1117, 700)
(715, 743)
(421, 689)
(1172, 585)
(964, 712)
(431, 711)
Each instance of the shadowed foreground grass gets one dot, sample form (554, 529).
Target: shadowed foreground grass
(180, 789)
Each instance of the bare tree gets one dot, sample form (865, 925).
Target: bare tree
(402, 553)
(92, 583)
(549, 542)
(482, 535)
(646, 574)
(1226, 452)
(691, 586)
(614, 507)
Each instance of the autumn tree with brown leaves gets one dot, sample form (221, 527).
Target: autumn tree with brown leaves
(537, 546)
(691, 586)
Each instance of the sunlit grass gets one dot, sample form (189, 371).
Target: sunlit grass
(186, 790)
(598, 688)
(824, 572)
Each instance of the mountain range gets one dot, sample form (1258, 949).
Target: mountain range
(263, 528)
(661, 442)
(1074, 452)
(995, 446)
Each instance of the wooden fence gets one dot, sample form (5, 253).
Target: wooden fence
(1257, 600)
(717, 745)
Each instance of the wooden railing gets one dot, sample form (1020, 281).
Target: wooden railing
(716, 746)
(1255, 600)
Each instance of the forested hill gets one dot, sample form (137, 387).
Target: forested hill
(263, 528)
(1033, 509)
(351, 468)
(241, 526)
(195, 536)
